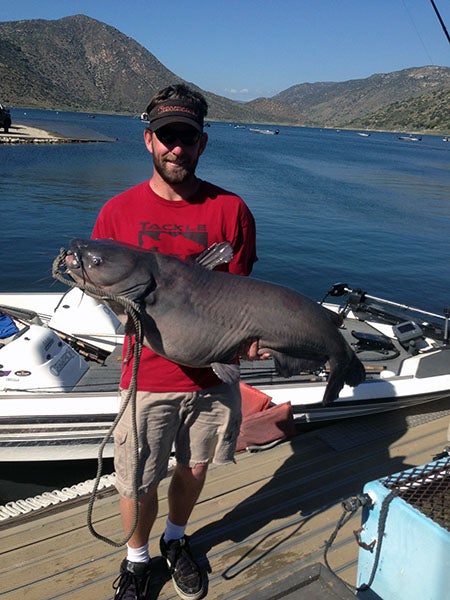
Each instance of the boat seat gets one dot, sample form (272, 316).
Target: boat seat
(372, 341)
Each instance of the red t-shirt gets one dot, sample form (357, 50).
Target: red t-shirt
(182, 228)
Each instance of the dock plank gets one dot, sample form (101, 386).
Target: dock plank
(257, 521)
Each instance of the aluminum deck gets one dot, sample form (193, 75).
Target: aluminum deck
(258, 523)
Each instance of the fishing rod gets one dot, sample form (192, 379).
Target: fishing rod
(444, 29)
(340, 289)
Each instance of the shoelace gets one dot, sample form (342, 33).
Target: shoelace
(124, 581)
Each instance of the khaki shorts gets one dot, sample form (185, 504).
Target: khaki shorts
(201, 427)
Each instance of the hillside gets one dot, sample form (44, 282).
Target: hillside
(341, 104)
(429, 112)
(78, 63)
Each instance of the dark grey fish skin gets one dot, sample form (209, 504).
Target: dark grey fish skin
(201, 318)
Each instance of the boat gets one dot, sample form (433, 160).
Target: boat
(264, 131)
(410, 138)
(59, 371)
(59, 374)
(363, 134)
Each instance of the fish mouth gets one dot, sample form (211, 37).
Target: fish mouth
(68, 269)
(73, 261)
(74, 258)
(74, 265)
(74, 268)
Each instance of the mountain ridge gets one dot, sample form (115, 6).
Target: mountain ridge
(339, 104)
(81, 64)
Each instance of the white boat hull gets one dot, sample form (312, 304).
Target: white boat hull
(70, 423)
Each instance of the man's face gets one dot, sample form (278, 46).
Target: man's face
(176, 149)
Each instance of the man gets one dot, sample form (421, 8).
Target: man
(175, 213)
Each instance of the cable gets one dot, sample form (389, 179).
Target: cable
(350, 506)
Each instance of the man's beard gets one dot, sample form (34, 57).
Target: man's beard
(174, 176)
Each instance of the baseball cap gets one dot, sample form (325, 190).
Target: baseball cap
(174, 111)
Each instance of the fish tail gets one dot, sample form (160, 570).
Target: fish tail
(353, 374)
(356, 373)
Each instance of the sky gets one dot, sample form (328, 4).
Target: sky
(244, 49)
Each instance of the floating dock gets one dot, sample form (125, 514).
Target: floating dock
(259, 526)
(34, 134)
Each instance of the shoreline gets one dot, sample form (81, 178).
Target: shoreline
(25, 134)
(20, 133)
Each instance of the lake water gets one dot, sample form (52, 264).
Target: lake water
(330, 206)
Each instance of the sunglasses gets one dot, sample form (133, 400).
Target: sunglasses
(170, 136)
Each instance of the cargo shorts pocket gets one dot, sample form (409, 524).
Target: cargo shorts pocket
(121, 454)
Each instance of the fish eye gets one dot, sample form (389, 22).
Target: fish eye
(96, 261)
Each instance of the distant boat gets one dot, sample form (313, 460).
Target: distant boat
(446, 139)
(240, 127)
(144, 117)
(265, 131)
(410, 138)
(363, 134)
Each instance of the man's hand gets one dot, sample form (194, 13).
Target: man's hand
(249, 350)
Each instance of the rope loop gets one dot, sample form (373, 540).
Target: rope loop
(135, 313)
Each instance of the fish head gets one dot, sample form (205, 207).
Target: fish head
(110, 266)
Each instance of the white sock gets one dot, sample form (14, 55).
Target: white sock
(173, 532)
(139, 555)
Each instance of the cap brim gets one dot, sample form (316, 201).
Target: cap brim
(172, 120)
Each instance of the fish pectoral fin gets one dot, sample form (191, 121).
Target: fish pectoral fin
(228, 373)
(287, 365)
(217, 254)
(118, 310)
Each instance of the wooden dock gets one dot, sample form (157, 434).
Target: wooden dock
(257, 524)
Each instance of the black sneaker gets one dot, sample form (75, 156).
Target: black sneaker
(133, 581)
(186, 574)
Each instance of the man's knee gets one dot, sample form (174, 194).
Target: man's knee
(197, 471)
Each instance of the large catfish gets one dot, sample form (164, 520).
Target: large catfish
(199, 318)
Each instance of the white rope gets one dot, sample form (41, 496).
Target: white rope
(23, 507)
(46, 499)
